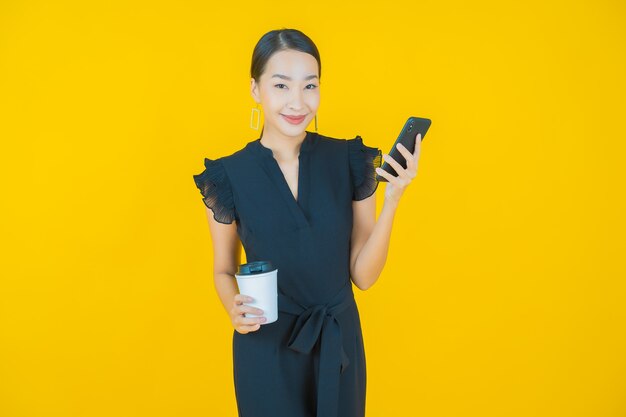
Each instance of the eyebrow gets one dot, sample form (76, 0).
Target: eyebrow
(284, 77)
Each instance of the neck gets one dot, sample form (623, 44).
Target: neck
(284, 147)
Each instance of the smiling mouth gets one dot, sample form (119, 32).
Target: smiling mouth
(294, 120)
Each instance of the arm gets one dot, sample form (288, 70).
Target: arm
(370, 240)
(226, 258)
(217, 195)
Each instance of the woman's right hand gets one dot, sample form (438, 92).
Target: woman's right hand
(245, 324)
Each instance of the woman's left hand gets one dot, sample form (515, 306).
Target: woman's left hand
(397, 184)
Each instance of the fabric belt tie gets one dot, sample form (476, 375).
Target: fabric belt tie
(313, 322)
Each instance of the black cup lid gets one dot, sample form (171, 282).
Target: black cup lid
(255, 267)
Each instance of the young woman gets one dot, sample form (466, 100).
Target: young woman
(305, 202)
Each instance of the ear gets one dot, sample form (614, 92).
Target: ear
(254, 90)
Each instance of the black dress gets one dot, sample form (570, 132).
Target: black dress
(311, 362)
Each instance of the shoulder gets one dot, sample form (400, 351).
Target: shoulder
(330, 140)
(236, 159)
(360, 159)
(237, 154)
(216, 186)
(355, 141)
(216, 191)
(333, 144)
(355, 147)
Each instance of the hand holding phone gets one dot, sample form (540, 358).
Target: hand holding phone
(412, 127)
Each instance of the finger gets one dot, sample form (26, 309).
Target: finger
(383, 173)
(405, 152)
(242, 298)
(418, 144)
(391, 178)
(396, 166)
(250, 321)
(250, 309)
(249, 328)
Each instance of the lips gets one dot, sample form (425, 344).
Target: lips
(294, 119)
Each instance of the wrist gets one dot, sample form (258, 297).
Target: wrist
(391, 203)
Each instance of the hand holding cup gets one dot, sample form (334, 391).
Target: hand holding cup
(240, 322)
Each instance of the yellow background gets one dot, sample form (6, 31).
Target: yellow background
(503, 294)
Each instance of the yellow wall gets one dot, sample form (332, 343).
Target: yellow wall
(504, 290)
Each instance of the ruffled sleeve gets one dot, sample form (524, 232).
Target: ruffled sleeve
(363, 163)
(216, 191)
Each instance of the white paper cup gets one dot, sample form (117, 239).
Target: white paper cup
(259, 280)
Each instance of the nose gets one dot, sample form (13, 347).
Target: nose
(296, 101)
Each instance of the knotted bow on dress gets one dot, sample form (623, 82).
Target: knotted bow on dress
(313, 322)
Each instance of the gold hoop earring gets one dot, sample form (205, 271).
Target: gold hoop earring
(258, 112)
(316, 122)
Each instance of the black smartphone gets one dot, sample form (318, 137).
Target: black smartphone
(412, 127)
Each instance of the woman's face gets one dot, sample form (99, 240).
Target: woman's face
(288, 87)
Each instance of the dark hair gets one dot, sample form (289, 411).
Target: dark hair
(279, 40)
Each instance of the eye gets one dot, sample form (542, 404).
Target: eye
(276, 85)
(314, 86)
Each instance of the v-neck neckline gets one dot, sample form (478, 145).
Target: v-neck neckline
(271, 167)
